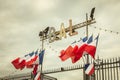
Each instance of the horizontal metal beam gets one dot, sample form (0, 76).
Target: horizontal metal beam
(77, 26)
(64, 69)
(74, 27)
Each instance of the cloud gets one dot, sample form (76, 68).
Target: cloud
(21, 21)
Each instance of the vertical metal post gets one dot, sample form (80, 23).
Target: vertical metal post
(117, 69)
(87, 25)
(99, 69)
(111, 70)
(41, 77)
(87, 34)
(84, 76)
(114, 66)
(102, 71)
(108, 70)
(97, 72)
(32, 76)
(87, 77)
(94, 77)
(105, 71)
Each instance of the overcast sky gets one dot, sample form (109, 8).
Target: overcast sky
(21, 21)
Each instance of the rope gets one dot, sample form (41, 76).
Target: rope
(106, 30)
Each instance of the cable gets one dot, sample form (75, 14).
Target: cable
(106, 30)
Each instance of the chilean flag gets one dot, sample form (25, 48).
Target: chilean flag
(19, 63)
(89, 69)
(78, 53)
(78, 50)
(67, 53)
(91, 48)
(41, 55)
(37, 77)
(16, 62)
(39, 59)
(26, 60)
(35, 69)
(32, 58)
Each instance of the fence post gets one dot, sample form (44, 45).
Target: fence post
(102, 70)
(105, 70)
(84, 75)
(117, 69)
(108, 69)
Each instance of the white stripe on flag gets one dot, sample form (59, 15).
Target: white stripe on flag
(37, 77)
(90, 67)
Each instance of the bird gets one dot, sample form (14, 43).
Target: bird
(92, 13)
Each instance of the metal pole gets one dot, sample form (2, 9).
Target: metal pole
(87, 77)
(111, 70)
(114, 71)
(108, 69)
(99, 72)
(41, 77)
(87, 25)
(117, 69)
(102, 71)
(105, 71)
(87, 34)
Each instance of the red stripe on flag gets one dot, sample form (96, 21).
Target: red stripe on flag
(30, 62)
(66, 54)
(15, 63)
(35, 69)
(78, 53)
(90, 49)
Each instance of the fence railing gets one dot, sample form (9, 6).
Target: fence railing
(107, 69)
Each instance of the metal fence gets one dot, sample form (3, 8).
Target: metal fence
(108, 69)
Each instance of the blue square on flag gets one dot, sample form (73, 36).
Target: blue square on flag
(89, 69)
(41, 56)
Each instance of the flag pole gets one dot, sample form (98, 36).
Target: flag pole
(41, 77)
(87, 56)
(87, 34)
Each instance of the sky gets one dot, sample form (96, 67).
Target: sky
(22, 20)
